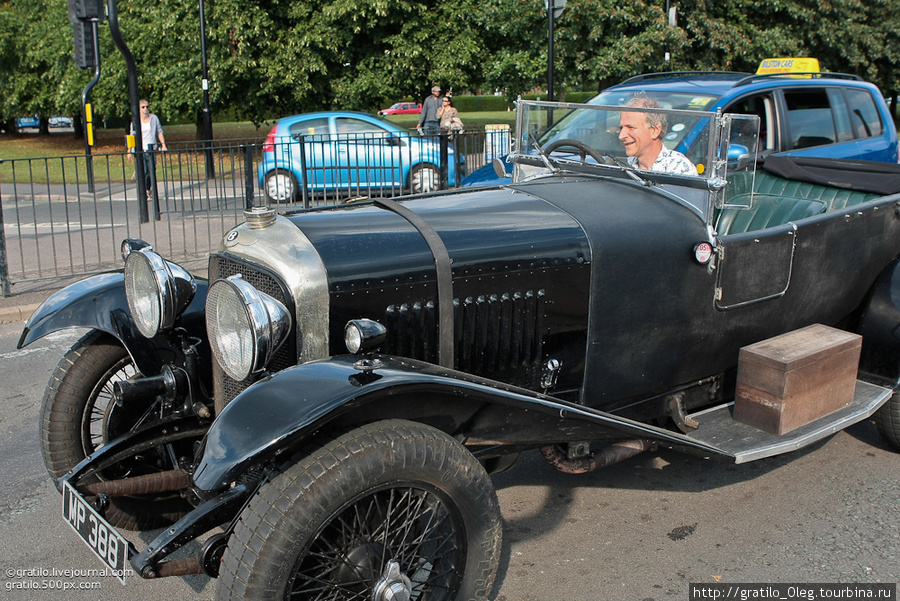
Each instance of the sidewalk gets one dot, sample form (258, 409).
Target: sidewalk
(28, 296)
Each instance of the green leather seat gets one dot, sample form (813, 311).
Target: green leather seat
(767, 211)
(777, 201)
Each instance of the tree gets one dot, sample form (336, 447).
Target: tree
(35, 75)
(268, 58)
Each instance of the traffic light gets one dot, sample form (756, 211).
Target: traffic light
(84, 45)
(81, 10)
(82, 15)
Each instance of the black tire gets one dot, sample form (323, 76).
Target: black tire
(403, 481)
(424, 178)
(887, 420)
(280, 186)
(75, 415)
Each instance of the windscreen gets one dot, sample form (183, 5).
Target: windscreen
(599, 128)
(637, 141)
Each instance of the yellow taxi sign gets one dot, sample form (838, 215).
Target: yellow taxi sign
(788, 65)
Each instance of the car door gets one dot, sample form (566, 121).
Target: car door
(764, 106)
(817, 124)
(314, 156)
(367, 155)
(868, 126)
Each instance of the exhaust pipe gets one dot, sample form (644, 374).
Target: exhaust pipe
(141, 485)
(186, 566)
(614, 453)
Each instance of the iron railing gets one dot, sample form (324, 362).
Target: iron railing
(66, 216)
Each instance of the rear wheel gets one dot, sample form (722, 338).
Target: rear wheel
(424, 178)
(392, 510)
(887, 420)
(280, 186)
(78, 416)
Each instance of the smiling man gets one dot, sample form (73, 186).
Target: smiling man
(642, 133)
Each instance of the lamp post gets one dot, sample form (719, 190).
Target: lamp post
(207, 118)
(554, 9)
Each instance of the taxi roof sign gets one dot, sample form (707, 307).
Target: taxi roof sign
(788, 65)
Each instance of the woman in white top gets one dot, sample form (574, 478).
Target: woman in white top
(151, 133)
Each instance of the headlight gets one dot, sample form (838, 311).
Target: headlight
(157, 291)
(363, 334)
(245, 326)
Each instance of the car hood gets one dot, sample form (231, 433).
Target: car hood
(365, 246)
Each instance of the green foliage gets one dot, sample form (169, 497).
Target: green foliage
(269, 58)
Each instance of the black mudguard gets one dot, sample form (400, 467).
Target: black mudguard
(879, 326)
(285, 411)
(99, 303)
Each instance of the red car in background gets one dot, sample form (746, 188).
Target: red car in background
(402, 108)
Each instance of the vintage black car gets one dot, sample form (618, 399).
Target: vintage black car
(330, 403)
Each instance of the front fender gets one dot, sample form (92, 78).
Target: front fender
(98, 302)
(279, 414)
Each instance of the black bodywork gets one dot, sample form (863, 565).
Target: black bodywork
(573, 306)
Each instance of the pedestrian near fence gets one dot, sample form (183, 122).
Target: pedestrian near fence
(151, 133)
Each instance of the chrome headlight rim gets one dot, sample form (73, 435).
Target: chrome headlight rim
(264, 319)
(157, 291)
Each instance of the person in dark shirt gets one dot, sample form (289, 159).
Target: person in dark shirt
(429, 117)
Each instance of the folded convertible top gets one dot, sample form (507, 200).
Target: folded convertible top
(866, 176)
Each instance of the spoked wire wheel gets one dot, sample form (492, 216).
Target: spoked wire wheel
(389, 511)
(400, 539)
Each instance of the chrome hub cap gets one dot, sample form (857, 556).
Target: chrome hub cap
(392, 586)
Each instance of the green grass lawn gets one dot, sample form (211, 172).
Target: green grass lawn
(60, 148)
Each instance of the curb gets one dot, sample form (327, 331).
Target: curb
(17, 314)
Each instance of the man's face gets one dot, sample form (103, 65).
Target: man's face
(638, 137)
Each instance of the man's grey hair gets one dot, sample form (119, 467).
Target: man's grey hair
(642, 101)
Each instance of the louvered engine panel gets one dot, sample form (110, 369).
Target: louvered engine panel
(494, 334)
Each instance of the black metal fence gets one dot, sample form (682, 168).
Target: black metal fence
(66, 216)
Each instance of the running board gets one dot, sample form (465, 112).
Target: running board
(746, 443)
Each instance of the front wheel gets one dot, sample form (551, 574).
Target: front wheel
(391, 510)
(887, 420)
(79, 415)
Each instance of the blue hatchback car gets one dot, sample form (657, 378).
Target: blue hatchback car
(350, 152)
(825, 115)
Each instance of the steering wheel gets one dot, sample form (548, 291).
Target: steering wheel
(583, 150)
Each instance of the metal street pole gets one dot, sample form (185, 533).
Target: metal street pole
(134, 93)
(86, 112)
(551, 6)
(207, 117)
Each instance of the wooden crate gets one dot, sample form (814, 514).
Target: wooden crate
(796, 378)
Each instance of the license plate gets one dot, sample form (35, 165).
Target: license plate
(104, 540)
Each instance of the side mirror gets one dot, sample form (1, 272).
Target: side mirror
(739, 157)
(499, 167)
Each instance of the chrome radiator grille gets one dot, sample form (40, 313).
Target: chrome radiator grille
(225, 388)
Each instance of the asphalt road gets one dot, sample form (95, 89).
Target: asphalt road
(641, 530)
